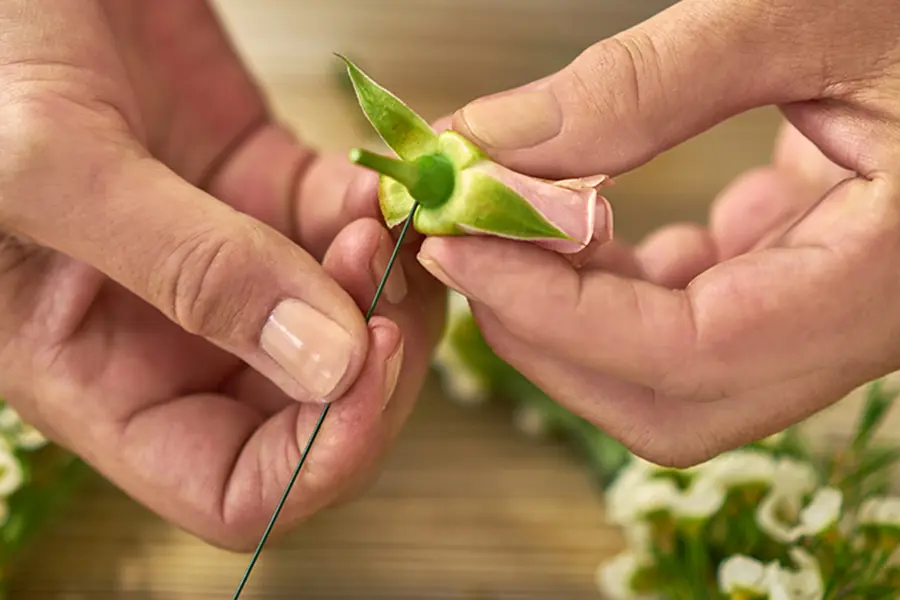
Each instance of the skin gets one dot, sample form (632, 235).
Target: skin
(147, 233)
(701, 339)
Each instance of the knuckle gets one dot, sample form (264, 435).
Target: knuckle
(666, 447)
(26, 136)
(205, 285)
(660, 436)
(618, 77)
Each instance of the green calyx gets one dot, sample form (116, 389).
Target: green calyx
(441, 175)
(430, 179)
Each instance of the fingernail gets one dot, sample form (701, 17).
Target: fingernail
(312, 348)
(514, 120)
(392, 373)
(430, 265)
(603, 221)
(395, 287)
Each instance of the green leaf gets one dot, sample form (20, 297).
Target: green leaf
(878, 402)
(874, 463)
(404, 131)
(395, 201)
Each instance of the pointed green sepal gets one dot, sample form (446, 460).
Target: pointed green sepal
(404, 131)
(482, 204)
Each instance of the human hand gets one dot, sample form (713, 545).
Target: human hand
(702, 339)
(148, 204)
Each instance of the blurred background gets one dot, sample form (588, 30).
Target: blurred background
(468, 508)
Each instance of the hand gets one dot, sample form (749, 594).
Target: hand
(702, 339)
(157, 318)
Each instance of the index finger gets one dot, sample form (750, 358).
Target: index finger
(758, 318)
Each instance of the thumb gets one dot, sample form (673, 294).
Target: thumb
(630, 97)
(216, 272)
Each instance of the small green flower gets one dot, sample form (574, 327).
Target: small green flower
(460, 191)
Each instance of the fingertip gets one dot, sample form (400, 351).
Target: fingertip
(444, 124)
(352, 249)
(361, 198)
(386, 337)
(754, 203)
(674, 255)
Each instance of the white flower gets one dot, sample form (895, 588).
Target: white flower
(639, 537)
(636, 501)
(9, 419)
(805, 583)
(780, 516)
(618, 495)
(11, 474)
(822, 512)
(615, 578)
(880, 511)
(701, 501)
(530, 420)
(461, 382)
(795, 476)
(744, 575)
(29, 438)
(776, 514)
(20, 433)
(739, 468)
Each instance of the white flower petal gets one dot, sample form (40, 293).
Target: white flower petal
(634, 500)
(881, 511)
(461, 382)
(805, 583)
(701, 501)
(615, 577)
(30, 438)
(530, 420)
(638, 537)
(795, 476)
(739, 468)
(743, 574)
(769, 516)
(9, 418)
(11, 474)
(823, 511)
(618, 494)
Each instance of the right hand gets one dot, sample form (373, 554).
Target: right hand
(703, 339)
(158, 318)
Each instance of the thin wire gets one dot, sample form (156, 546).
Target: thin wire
(315, 431)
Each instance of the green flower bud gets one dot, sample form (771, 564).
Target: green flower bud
(460, 191)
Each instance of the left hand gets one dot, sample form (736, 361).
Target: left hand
(153, 216)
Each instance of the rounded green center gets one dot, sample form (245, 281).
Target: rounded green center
(430, 179)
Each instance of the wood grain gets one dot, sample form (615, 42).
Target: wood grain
(466, 507)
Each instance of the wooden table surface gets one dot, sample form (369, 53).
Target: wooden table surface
(467, 508)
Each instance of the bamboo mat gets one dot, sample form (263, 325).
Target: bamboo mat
(467, 508)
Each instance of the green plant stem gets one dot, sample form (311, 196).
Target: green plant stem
(698, 566)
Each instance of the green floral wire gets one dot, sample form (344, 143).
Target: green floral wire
(318, 427)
